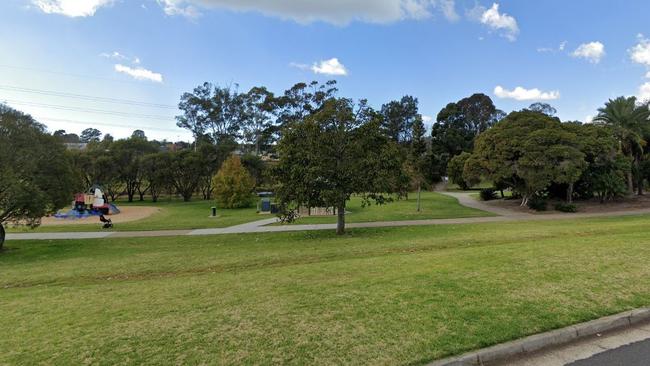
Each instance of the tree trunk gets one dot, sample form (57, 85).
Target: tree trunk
(340, 220)
(502, 195)
(640, 180)
(630, 183)
(569, 194)
(2, 236)
(419, 191)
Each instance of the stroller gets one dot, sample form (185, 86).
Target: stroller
(107, 223)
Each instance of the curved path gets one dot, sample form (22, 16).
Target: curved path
(261, 226)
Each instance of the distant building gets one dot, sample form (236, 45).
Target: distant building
(75, 146)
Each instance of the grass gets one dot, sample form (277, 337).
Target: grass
(178, 215)
(374, 296)
(433, 206)
(174, 215)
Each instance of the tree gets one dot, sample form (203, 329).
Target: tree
(213, 111)
(631, 125)
(459, 123)
(399, 117)
(66, 137)
(545, 108)
(139, 134)
(527, 151)
(233, 185)
(157, 172)
(36, 171)
(417, 157)
(258, 126)
(455, 170)
(128, 154)
(90, 135)
(185, 171)
(333, 154)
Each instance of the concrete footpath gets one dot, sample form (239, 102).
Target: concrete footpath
(262, 226)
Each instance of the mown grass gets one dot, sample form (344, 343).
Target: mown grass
(178, 215)
(173, 215)
(433, 206)
(374, 296)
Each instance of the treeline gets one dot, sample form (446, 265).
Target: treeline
(538, 157)
(223, 122)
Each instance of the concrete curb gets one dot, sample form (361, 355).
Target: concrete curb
(502, 352)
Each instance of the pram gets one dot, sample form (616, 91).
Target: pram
(108, 223)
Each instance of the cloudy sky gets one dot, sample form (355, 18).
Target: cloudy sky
(118, 65)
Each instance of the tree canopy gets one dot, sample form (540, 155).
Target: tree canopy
(36, 171)
(335, 152)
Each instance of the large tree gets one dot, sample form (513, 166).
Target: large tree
(399, 117)
(35, 170)
(213, 111)
(90, 135)
(128, 154)
(631, 124)
(527, 151)
(336, 152)
(417, 159)
(459, 123)
(259, 122)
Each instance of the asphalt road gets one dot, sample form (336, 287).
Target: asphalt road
(635, 354)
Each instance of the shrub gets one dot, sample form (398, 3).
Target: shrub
(566, 207)
(488, 194)
(537, 203)
(455, 171)
(233, 185)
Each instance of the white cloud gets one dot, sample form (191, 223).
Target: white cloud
(426, 119)
(71, 8)
(648, 75)
(522, 94)
(115, 55)
(592, 52)
(340, 12)
(329, 67)
(562, 46)
(589, 119)
(644, 92)
(139, 73)
(641, 52)
(300, 66)
(497, 21)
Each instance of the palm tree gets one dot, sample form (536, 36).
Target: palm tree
(631, 123)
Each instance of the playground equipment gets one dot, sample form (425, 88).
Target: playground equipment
(92, 203)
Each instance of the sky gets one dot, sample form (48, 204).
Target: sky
(120, 65)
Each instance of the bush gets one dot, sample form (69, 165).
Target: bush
(537, 203)
(566, 207)
(488, 194)
(233, 185)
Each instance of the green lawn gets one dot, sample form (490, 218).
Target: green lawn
(374, 296)
(174, 215)
(434, 206)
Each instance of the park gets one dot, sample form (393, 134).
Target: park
(301, 182)
(419, 266)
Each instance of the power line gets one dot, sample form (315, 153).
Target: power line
(88, 110)
(106, 124)
(85, 97)
(70, 74)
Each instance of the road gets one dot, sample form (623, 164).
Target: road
(626, 347)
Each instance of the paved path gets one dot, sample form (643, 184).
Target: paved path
(261, 226)
(627, 347)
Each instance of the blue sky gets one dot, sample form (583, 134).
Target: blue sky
(62, 59)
